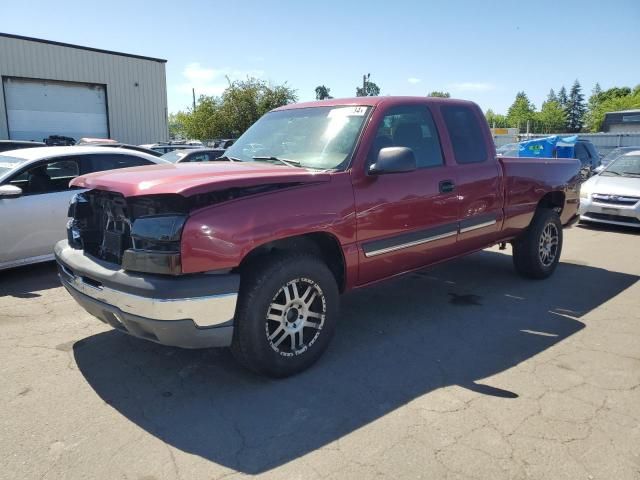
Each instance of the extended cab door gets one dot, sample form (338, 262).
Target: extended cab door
(479, 176)
(409, 219)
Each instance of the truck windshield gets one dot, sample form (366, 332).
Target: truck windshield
(317, 137)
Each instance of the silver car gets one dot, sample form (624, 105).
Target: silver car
(613, 196)
(35, 194)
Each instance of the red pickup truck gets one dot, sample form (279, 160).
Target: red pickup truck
(313, 200)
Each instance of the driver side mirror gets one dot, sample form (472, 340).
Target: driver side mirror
(393, 160)
(10, 191)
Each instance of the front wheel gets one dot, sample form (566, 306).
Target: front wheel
(286, 314)
(536, 252)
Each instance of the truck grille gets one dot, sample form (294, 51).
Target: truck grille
(620, 200)
(100, 225)
(101, 222)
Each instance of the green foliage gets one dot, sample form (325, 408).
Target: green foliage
(521, 111)
(368, 89)
(176, 122)
(551, 118)
(562, 97)
(552, 97)
(437, 93)
(241, 104)
(496, 120)
(613, 104)
(322, 92)
(575, 108)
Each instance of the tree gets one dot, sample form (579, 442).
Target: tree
(575, 108)
(368, 89)
(551, 118)
(241, 104)
(437, 93)
(176, 123)
(322, 92)
(496, 120)
(613, 104)
(562, 97)
(521, 111)
(552, 97)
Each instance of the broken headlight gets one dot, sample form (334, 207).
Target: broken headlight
(155, 244)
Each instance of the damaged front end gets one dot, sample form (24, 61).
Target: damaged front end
(141, 233)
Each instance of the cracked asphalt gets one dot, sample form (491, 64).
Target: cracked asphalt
(459, 371)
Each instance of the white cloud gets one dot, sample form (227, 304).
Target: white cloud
(211, 81)
(413, 80)
(471, 87)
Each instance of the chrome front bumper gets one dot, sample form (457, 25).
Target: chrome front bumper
(152, 304)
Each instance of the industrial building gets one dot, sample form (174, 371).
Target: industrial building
(52, 88)
(625, 121)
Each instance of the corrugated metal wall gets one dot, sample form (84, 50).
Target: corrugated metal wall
(136, 88)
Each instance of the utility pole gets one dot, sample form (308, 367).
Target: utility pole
(193, 91)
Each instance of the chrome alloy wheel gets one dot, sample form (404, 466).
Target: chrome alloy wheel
(295, 317)
(548, 245)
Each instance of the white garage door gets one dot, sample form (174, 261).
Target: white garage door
(39, 108)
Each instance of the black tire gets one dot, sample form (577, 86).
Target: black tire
(262, 290)
(534, 256)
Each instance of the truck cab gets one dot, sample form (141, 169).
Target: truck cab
(315, 199)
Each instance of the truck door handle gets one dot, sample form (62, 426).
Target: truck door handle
(447, 186)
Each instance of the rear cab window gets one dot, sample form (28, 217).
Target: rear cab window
(468, 142)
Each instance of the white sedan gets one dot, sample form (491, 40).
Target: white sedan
(613, 196)
(35, 194)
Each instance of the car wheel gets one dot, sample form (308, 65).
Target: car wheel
(286, 314)
(536, 252)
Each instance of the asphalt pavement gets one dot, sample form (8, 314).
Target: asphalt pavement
(463, 370)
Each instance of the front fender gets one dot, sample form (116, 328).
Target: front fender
(220, 236)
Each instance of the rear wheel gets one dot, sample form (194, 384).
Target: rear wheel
(286, 314)
(536, 252)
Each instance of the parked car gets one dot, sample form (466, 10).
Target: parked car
(6, 145)
(613, 196)
(95, 141)
(254, 252)
(35, 194)
(137, 148)
(587, 153)
(194, 155)
(613, 154)
(166, 147)
(224, 143)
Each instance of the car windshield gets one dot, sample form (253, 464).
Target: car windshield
(616, 152)
(317, 137)
(625, 166)
(174, 156)
(8, 163)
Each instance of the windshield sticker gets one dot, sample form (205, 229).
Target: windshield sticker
(347, 112)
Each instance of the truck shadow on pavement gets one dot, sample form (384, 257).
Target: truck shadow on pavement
(395, 342)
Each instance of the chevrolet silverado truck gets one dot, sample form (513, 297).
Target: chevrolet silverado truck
(315, 199)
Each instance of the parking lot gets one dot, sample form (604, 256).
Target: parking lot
(464, 370)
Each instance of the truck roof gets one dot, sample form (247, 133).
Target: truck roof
(374, 101)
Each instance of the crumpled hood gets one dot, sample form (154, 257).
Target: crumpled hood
(188, 179)
(612, 185)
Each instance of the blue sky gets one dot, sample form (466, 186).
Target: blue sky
(479, 50)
